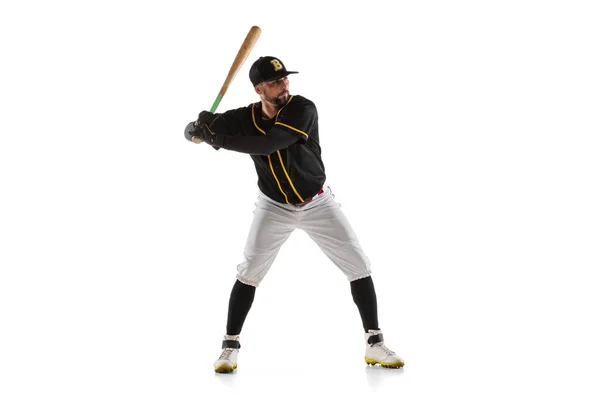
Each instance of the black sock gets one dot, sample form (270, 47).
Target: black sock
(363, 293)
(240, 301)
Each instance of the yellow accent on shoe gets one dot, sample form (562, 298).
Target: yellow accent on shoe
(398, 364)
(225, 368)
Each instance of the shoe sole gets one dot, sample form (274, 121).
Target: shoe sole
(399, 364)
(224, 369)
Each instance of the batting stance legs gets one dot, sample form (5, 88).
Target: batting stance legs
(325, 223)
(321, 218)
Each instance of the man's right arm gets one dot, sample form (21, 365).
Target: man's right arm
(262, 145)
(228, 123)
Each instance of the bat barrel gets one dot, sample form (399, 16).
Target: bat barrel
(241, 56)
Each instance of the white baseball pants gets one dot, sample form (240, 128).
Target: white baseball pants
(323, 221)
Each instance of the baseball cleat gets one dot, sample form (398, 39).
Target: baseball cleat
(378, 353)
(227, 361)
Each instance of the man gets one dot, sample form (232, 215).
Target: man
(281, 134)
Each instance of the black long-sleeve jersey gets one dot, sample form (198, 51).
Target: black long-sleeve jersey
(285, 149)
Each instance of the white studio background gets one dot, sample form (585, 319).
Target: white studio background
(461, 139)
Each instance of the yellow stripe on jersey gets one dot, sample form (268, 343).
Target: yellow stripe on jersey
(279, 154)
(254, 121)
(287, 126)
(269, 156)
(288, 177)
(277, 180)
(292, 128)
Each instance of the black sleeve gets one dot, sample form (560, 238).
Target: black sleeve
(229, 123)
(276, 139)
(293, 123)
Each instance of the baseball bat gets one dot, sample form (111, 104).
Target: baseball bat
(241, 56)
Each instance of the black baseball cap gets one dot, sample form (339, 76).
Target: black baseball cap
(267, 69)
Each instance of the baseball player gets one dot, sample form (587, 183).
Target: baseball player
(281, 134)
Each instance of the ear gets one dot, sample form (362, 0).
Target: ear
(258, 89)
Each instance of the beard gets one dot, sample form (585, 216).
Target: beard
(279, 100)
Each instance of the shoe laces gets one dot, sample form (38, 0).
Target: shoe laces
(384, 348)
(226, 353)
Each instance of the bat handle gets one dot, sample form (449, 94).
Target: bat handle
(216, 103)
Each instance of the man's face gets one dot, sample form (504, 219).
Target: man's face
(275, 92)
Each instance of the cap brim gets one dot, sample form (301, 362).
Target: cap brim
(281, 75)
